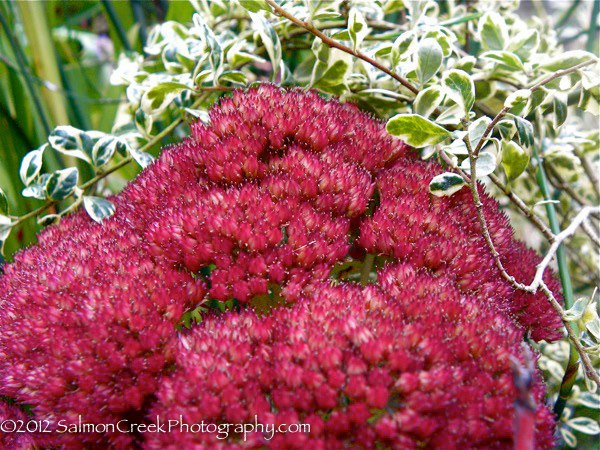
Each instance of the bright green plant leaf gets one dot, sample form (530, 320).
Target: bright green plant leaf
(524, 131)
(270, 40)
(506, 59)
(514, 159)
(156, 99)
(416, 130)
(254, 5)
(507, 129)
(3, 202)
(428, 100)
(403, 47)
(460, 88)
(62, 183)
(446, 184)
(98, 208)
(233, 76)
(566, 60)
(559, 103)
(357, 27)
(31, 165)
(525, 44)
(429, 59)
(332, 80)
(493, 32)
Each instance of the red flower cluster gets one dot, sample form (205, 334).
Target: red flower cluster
(409, 364)
(279, 188)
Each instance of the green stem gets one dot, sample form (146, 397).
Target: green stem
(114, 18)
(568, 13)
(365, 272)
(565, 278)
(140, 18)
(593, 29)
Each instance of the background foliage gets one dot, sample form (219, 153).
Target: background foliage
(498, 91)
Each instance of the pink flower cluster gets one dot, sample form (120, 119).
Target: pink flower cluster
(280, 188)
(432, 372)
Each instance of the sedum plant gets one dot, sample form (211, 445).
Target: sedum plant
(485, 97)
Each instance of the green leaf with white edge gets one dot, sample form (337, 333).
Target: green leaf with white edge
(457, 147)
(517, 98)
(476, 130)
(588, 399)
(576, 311)
(507, 59)
(446, 184)
(493, 32)
(103, 150)
(6, 225)
(568, 437)
(559, 103)
(451, 116)
(37, 189)
(3, 202)
(270, 40)
(404, 46)
(62, 183)
(357, 27)
(254, 5)
(428, 100)
(429, 59)
(31, 165)
(524, 131)
(234, 77)
(585, 425)
(215, 51)
(142, 158)
(486, 164)
(566, 60)
(416, 131)
(67, 140)
(332, 80)
(525, 44)
(589, 100)
(460, 88)
(159, 97)
(98, 208)
(507, 129)
(514, 159)
(593, 327)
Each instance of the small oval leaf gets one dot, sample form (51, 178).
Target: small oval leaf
(98, 208)
(416, 131)
(62, 183)
(446, 184)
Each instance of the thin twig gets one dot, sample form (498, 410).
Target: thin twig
(585, 359)
(537, 283)
(332, 43)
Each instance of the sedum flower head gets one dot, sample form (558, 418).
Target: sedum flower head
(263, 203)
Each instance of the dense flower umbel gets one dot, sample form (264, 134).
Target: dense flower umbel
(361, 367)
(444, 235)
(87, 326)
(279, 188)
